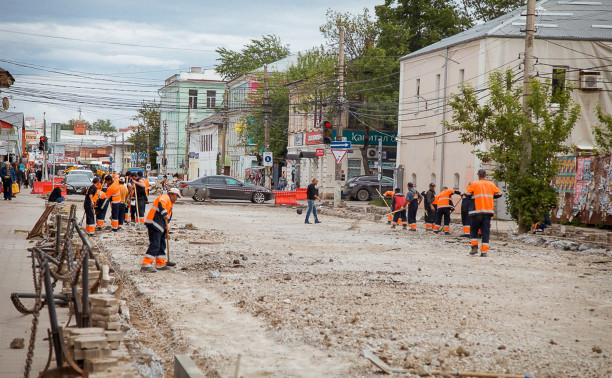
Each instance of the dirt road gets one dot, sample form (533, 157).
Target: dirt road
(305, 300)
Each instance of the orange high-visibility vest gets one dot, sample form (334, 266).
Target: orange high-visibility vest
(161, 206)
(483, 192)
(97, 195)
(444, 198)
(147, 185)
(389, 193)
(435, 202)
(114, 192)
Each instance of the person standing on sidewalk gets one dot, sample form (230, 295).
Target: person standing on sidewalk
(428, 206)
(89, 205)
(8, 178)
(157, 221)
(413, 197)
(482, 192)
(312, 194)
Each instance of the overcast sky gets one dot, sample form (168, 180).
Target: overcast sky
(108, 56)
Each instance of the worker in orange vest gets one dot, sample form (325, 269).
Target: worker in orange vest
(445, 208)
(157, 221)
(389, 195)
(398, 205)
(482, 192)
(413, 197)
(88, 205)
(101, 204)
(429, 205)
(124, 200)
(140, 194)
(113, 193)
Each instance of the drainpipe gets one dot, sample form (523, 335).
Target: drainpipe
(443, 120)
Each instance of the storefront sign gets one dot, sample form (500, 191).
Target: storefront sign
(357, 137)
(298, 139)
(314, 138)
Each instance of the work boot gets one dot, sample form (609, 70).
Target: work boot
(307, 222)
(483, 254)
(436, 232)
(404, 227)
(392, 226)
(317, 221)
(474, 250)
(413, 229)
(162, 267)
(148, 269)
(446, 233)
(465, 236)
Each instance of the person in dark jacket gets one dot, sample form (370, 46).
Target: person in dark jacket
(429, 207)
(312, 194)
(7, 173)
(56, 195)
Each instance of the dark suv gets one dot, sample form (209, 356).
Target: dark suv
(363, 188)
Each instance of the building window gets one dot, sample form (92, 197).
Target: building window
(193, 99)
(461, 76)
(433, 179)
(558, 84)
(418, 93)
(456, 180)
(437, 92)
(211, 96)
(354, 168)
(414, 181)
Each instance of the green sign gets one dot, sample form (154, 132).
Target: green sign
(357, 137)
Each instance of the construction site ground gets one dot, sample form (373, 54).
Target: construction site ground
(259, 293)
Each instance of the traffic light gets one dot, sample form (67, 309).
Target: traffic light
(42, 144)
(326, 130)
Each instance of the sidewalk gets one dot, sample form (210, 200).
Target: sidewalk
(16, 276)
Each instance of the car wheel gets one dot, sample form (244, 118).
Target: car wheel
(258, 197)
(198, 198)
(363, 195)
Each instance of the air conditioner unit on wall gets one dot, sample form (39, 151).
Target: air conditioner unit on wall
(372, 153)
(590, 80)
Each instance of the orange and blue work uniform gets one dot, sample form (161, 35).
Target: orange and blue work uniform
(114, 194)
(156, 227)
(389, 194)
(88, 205)
(445, 206)
(123, 190)
(101, 205)
(398, 204)
(430, 215)
(467, 204)
(482, 192)
(413, 197)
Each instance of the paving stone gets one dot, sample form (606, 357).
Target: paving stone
(90, 342)
(111, 310)
(108, 325)
(114, 345)
(105, 318)
(103, 300)
(100, 364)
(114, 335)
(90, 354)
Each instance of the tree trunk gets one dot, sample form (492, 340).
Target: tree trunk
(364, 151)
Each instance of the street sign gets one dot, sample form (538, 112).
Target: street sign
(110, 159)
(134, 156)
(320, 152)
(339, 155)
(143, 155)
(159, 148)
(340, 145)
(267, 159)
(148, 167)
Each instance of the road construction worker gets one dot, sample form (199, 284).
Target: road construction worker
(89, 205)
(145, 181)
(429, 207)
(140, 194)
(467, 204)
(413, 197)
(157, 221)
(398, 205)
(389, 195)
(445, 208)
(482, 192)
(123, 190)
(113, 193)
(101, 204)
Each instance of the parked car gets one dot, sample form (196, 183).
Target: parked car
(224, 187)
(85, 172)
(364, 188)
(76, 183)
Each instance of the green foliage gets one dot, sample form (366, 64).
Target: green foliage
(603, 132)
(377, 202)
(523, 147)
(70, 124)
(254, 55)
(102, 125)
(148, 119)
(485, 10)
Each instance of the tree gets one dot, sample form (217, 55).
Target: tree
(254, 55)
(485, 10)
(148, 119)
(503, 125)
(70, 124)
(603, 132)
(102, 125)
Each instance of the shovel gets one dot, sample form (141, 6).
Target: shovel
(168, 262)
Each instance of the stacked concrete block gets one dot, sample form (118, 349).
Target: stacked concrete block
(87, 343)
(104, 311)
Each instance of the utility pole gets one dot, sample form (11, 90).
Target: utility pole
(338, 167)
(148, 146)
(122, 150)
(165, 145)
(45, 176)
(267, 122)
(187, 137)
(224, 127)
(443, 146)
(115, 151)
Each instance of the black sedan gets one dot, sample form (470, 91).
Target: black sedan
(224, 187)
(364, 187)
(76, 184)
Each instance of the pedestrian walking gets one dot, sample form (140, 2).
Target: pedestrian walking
(429, 207)
(413, 197)
(312, 194)
(482, 192)
(88, 205)
(157, 221)
(444, 210)
(32, 178)
(398, 205)
(8, 178)
(140, 194)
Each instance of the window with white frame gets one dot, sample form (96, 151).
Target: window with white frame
(193, 99)
(414, 180)
(354, 168)
(456, 181)
(437, 91)
(211, 97)
(418, 94)
(433, 178)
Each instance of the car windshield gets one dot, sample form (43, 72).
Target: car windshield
(74, 178)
